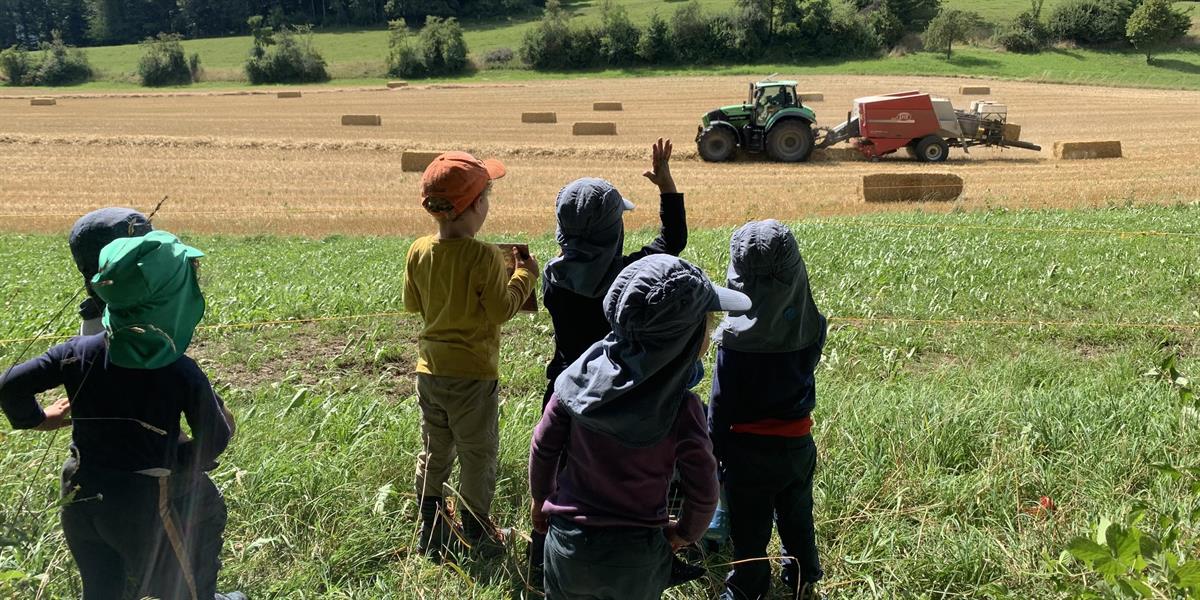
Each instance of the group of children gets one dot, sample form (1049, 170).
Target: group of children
(619, 423)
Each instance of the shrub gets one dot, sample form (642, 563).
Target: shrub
(404, 60)
(1090, 21)
(584, 47)
(498, 57)
(950, 26)
(59, 65)
(16, 66)
(857, 33)
(887, 25)
(618, 35)
(690, 33)
(442, 47)
(655, 47)
(1155, 24)
(545, 46)
(164, 63)
(1026, 34)
(284, 56)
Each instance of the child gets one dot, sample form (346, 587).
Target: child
(91, 233)
(462, 290)
(591, 234)
(620, 420)
(763, 394)
(592, 237)
(130, 468)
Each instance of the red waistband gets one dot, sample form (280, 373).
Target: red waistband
(776, 427)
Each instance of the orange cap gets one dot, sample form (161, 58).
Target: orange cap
(457, 178)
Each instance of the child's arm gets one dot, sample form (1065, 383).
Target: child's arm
(20, 386)
(412, 296)
(503, 295)
(210, 430)
(697, 472)
(673, 233)
(545, 450)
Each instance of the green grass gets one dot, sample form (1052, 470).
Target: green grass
(356, 57)
(933, 438)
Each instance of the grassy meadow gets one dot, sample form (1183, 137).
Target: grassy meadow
(356, 57)
(936, 438)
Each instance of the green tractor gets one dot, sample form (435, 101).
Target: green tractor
(773, 120)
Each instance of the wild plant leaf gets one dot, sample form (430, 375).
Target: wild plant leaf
(1150, 546)
(1124, 543)
(1136, 589)
(1088, 551)
(1167, 469)
(12, 575)
(1188, 574)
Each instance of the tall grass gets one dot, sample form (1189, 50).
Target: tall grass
(934, 440)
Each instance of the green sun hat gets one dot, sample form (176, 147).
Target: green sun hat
(153, 299)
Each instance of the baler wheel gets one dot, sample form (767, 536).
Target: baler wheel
(932, 149)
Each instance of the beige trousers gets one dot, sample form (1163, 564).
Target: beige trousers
(460, 418)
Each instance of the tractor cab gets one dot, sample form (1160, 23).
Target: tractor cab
(772, 120)
(770, 97)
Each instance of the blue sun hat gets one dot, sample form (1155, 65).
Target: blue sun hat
(631, 384)
(591, 233)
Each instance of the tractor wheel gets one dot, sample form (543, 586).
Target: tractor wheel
(716, 144)
(931, 149)
(790, 141)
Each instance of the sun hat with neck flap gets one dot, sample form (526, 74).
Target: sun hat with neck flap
(631, 384)
(454, 181)
(152, 296)
(591, 233)
(93, 231)
(765, 264)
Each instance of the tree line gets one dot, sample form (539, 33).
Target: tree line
(28, 23)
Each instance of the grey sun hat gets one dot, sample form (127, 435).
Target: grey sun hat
(93, 231)
(765, 264)
(591, 234)
(631, 384)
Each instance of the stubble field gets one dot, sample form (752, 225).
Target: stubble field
(258, 164)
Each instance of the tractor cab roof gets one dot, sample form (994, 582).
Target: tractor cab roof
(767, 84)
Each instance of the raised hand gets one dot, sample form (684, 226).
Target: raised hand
(660, 167)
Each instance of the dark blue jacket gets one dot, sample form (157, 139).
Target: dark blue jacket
(123, 419)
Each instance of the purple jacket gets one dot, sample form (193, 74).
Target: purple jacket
(604, 483)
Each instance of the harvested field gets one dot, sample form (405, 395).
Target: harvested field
(219, 154)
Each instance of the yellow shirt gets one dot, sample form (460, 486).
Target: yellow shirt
(463, 292)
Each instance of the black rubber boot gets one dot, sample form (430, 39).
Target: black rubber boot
(537, 559)
(485, 538)
(436, 532)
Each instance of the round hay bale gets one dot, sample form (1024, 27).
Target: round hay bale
(396, 84)
(364, 120)
(911, 187)
(1087, 150)
(605, 105)
(290, 94)
(539, 117)
(43, 102)
(415, 161)
(974, 90)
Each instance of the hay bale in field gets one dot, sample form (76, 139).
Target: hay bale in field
(396, 84)
(974, 90)
(811, 96)
(539, 117)
(837, 154)
(368, 120)
(1012, 132)
(415, 161)
(291, 94)
(43, 102)
(911, 187)
(1084, 150)
(607, 106)
(594, 128)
